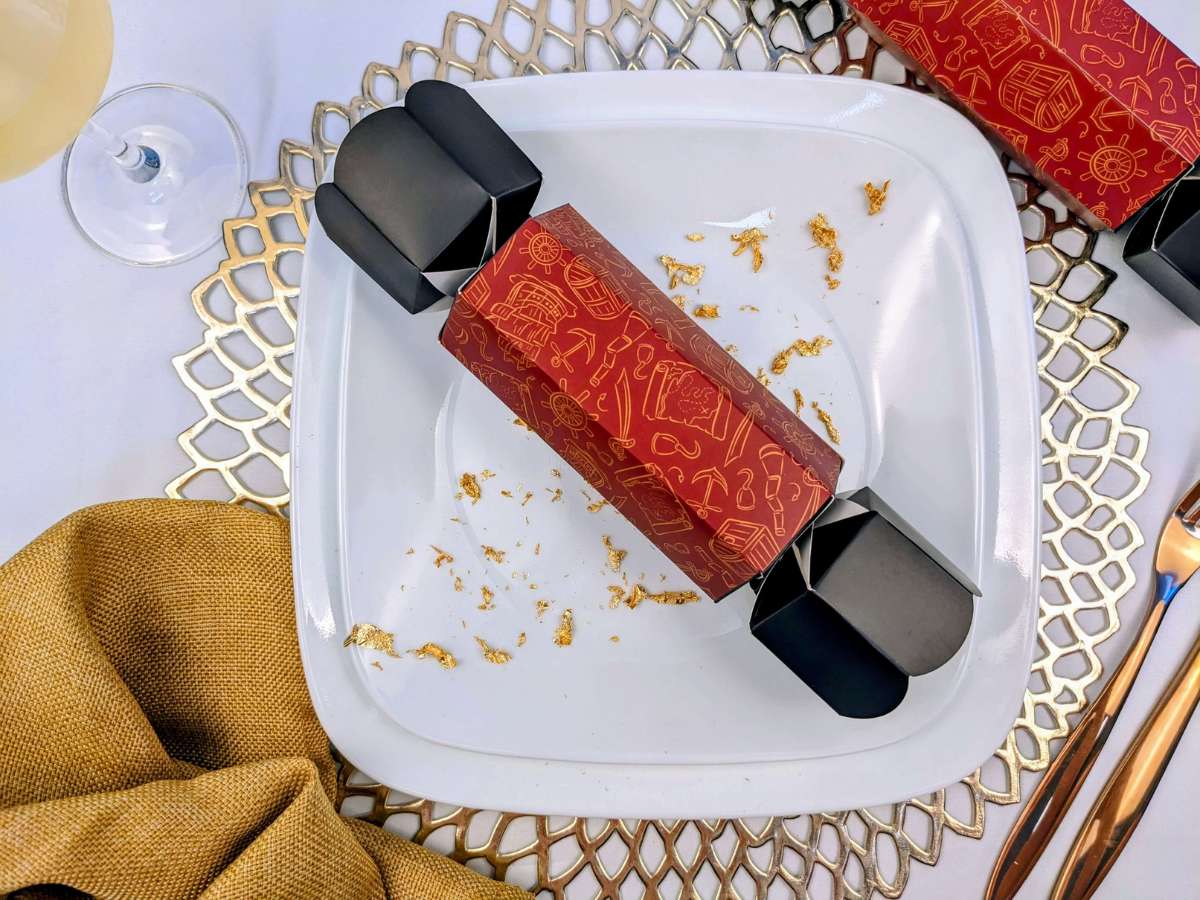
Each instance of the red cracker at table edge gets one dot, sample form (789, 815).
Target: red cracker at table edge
(1085, 94)
(637, 397)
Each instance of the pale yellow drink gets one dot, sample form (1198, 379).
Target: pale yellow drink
(54, 60)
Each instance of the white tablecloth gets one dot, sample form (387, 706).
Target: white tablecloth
(90, 406)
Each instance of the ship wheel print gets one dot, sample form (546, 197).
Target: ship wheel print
(543, 250)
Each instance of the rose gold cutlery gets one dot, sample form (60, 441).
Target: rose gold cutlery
(1176, 560)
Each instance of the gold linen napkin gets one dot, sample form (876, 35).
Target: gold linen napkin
(156, 734)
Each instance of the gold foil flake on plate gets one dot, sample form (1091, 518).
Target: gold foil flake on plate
(555, 495)
(748, 307)
(823, 234)
(537, 549)
(376, 664)
(540, 607)
(596, 505)
(470, 487)
(444, 657)
(410, 551)
(680, 272)
(751, 239)
(835, 259)
(827, 421)
(557, 473)
(762, 377)
(565, 632)
(486, 474)
(731, 348)
(694, 237)
(528, 496)
(680, 301)
(615, 555)
(799, 347)
(616, 593)
(496, 556)
(494, 655)
(798, 399)
(506, 493)
(615, 638)
(521, 423)
(876, 196)
(441, 557)
(832, 283)
(706, 311)
(372, 637)
(521, 639)
(458, 584)
(488, 595)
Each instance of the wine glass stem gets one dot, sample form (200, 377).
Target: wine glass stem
(139, 162)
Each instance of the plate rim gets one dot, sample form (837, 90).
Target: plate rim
(387, 751)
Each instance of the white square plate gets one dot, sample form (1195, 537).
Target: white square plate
(931, 381)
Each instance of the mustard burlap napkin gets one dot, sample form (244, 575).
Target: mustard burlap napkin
(156, 735)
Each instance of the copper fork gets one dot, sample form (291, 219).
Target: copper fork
(1175, 561)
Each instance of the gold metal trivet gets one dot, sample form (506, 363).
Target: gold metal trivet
(1092, 464)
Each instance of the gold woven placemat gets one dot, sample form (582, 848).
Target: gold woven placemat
(1093, 469)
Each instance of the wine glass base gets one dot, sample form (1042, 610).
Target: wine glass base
(177, 214)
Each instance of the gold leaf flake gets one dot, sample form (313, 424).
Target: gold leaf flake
(458, 584)
(556, 473)
(496, 556)
(470, 487)
(486, 474)
(799, 347)
(565, 632)
(442, 557)
(376, 664)
(746, 307)
(835, 259)
(597, 505)
(506, 493)
(492, 654)
(555, 495)
(486, 593)
(444, 657)
(666, 598)
(832, 283)
(823, 234)
(679, 272)
(615, 556)
(731, 348)
(540, 607)
(372, 637)
(679, 300)
(528, 497)
(537, 549)
(522, 423)
(694, 237)
(827, 421)
(616, 594)
(762, 377)
(410, 551)
(876, 196)
(706, 311)
(614, 638)
(521, 639)
(799, 400)
(750, 239)
(456, 519)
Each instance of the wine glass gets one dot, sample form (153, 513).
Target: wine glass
(154, 168)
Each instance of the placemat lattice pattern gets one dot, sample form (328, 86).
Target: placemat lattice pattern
(1093, 460)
